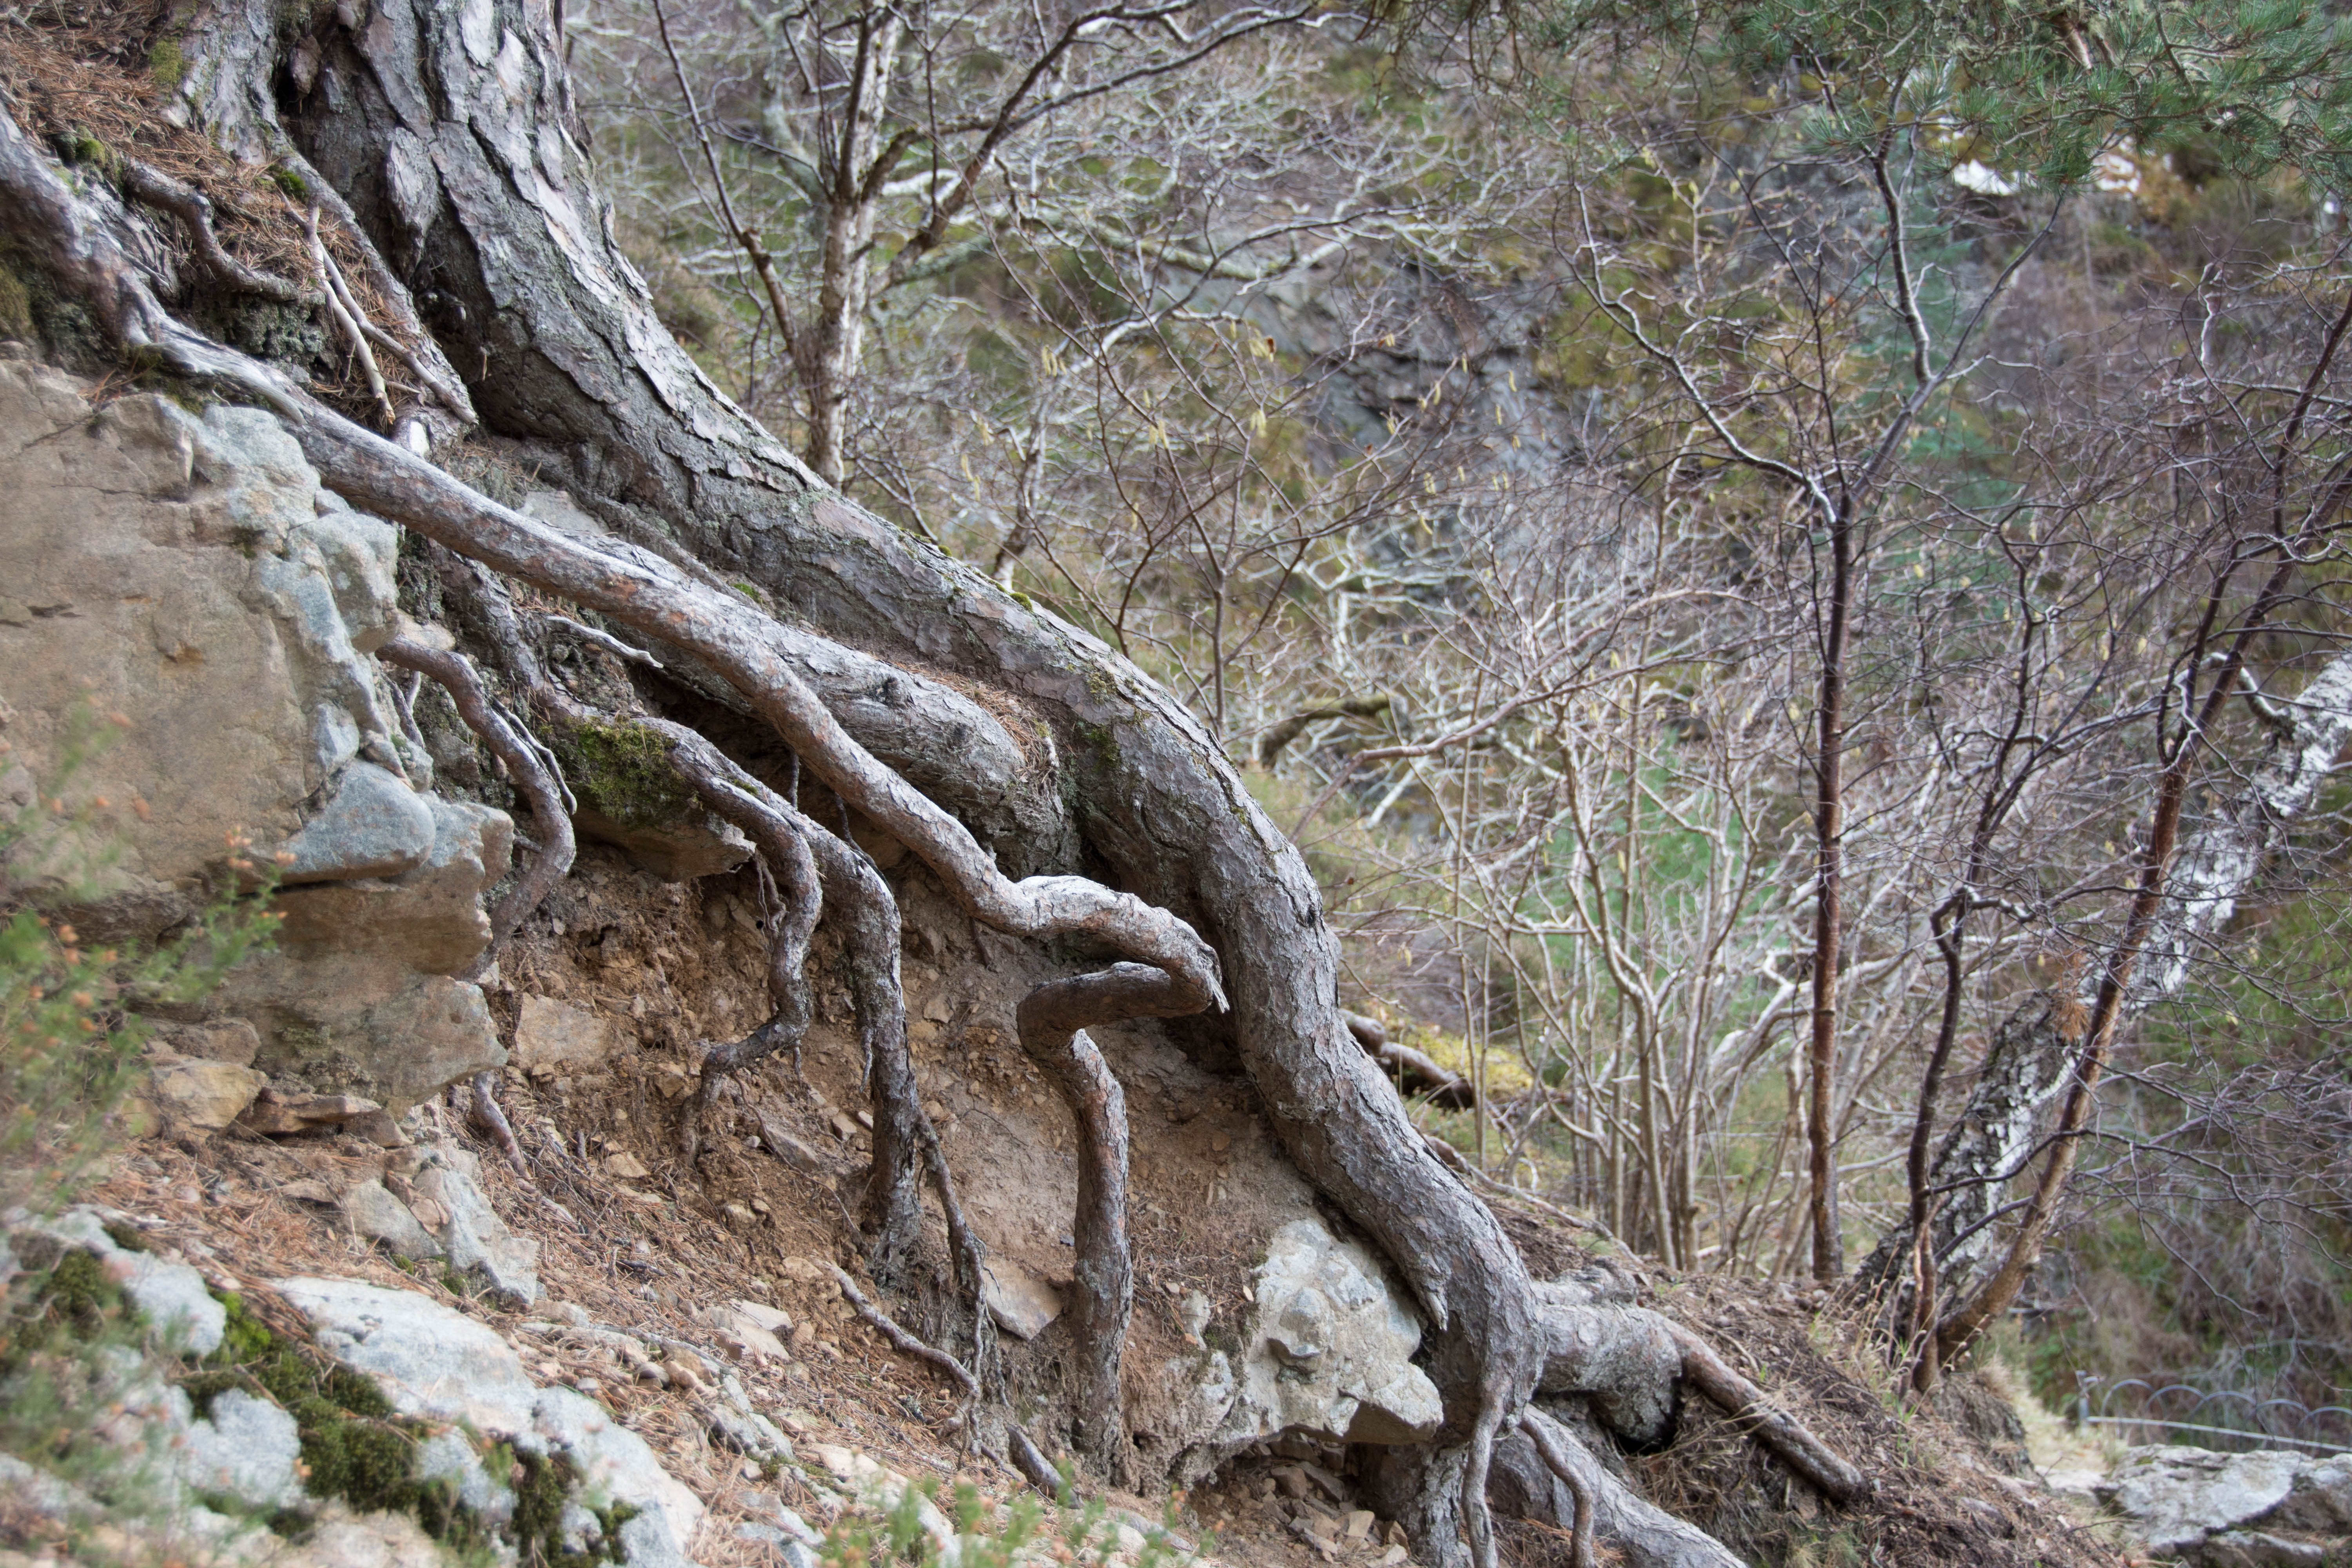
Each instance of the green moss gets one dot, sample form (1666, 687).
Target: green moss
(292, 184)
(625, 771)
(126, 1237)
(166, 61)
(78, 1294)
(15, 306)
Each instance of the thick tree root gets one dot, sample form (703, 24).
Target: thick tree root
(1052, 1022)
(143, 182)
(1627, 1360)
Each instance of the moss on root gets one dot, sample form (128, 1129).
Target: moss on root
(625, 771)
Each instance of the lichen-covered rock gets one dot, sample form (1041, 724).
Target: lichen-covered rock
(469, 1230)
(2196, 1506)
(244, 1447)
(439, 1364)
(179, 1306)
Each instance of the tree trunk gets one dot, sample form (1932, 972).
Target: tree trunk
(448, 130)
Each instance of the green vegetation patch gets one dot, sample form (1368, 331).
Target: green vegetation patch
(625, 771)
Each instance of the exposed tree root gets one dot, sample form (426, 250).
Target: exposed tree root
(1642, 1535)
(1827, 1471)
(1546, 1435)
(1052, 1022)
(908, 1344)
(526, 767)
(143, 182)
(491, 1119)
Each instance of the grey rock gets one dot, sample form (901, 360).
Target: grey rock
(736, 1424)
(430, 1361)
(439, 1364)
(372, 826)
(380, 1216)
(429, 921)
(615, 1463)
(246, 1448)
(2194, 1505)
(449, 1459)
(471, 1233)
(1329, 1350)
(179, 1306)
(352, 1023)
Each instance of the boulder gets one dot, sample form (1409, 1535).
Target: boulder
(244, 1447)
(428, 919)
(372, 826)
(2196, 1506)
(440, 1366)
(178, 1305)
(1329, 1350)
(350, 1022)
(193, 1096)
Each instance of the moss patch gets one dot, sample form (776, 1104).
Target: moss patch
(623, 771)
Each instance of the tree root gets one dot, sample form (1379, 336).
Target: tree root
(1627, 1359)
(1824, 1468)
(1642, 1534)
(488, 1115)
(347, 314)
(143, 182)
(525, 766)
(1545, 1435)
(908, 1344)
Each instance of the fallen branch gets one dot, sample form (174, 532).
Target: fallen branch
(1420, 1074)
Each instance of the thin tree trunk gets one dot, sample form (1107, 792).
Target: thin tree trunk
(1829, 836)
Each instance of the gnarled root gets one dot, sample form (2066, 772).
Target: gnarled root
(1543, 1473)
(1052, 1021)
(1627, 1360)
(1545, 1435)
(525, 766)
(491, 1119)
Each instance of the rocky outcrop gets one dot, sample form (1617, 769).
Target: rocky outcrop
(180, 586)
(2234, 1511)
(1329, 1352)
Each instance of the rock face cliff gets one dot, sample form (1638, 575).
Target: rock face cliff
(178, 586)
